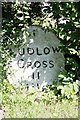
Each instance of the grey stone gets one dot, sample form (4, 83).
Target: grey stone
(39, 61)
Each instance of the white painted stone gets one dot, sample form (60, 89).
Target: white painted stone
(41, 67)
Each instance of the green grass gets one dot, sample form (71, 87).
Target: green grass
(36, 104)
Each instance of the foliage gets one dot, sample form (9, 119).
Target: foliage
(62, 19)
(22, 103)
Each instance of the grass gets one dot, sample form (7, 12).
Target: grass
(37, 104)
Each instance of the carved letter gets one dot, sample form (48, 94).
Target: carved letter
(29, 64)
(44, 64)
(21, 63)
(21, 51)
(51, 63)
(37, 50)
(30, 51)
(37, 64)
(46, 50)
(57, 49)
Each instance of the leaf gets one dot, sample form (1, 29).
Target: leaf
(76, 87)
(60, 87)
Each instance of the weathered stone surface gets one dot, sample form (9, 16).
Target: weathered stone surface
(39, 61)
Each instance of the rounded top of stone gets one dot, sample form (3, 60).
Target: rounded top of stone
(41, 35)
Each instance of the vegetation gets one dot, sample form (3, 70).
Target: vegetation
(37, 104)
(63, 19)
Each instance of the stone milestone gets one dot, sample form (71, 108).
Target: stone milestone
(38, 62)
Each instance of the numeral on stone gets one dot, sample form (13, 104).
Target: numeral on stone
(38, 75)
(38, 85)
